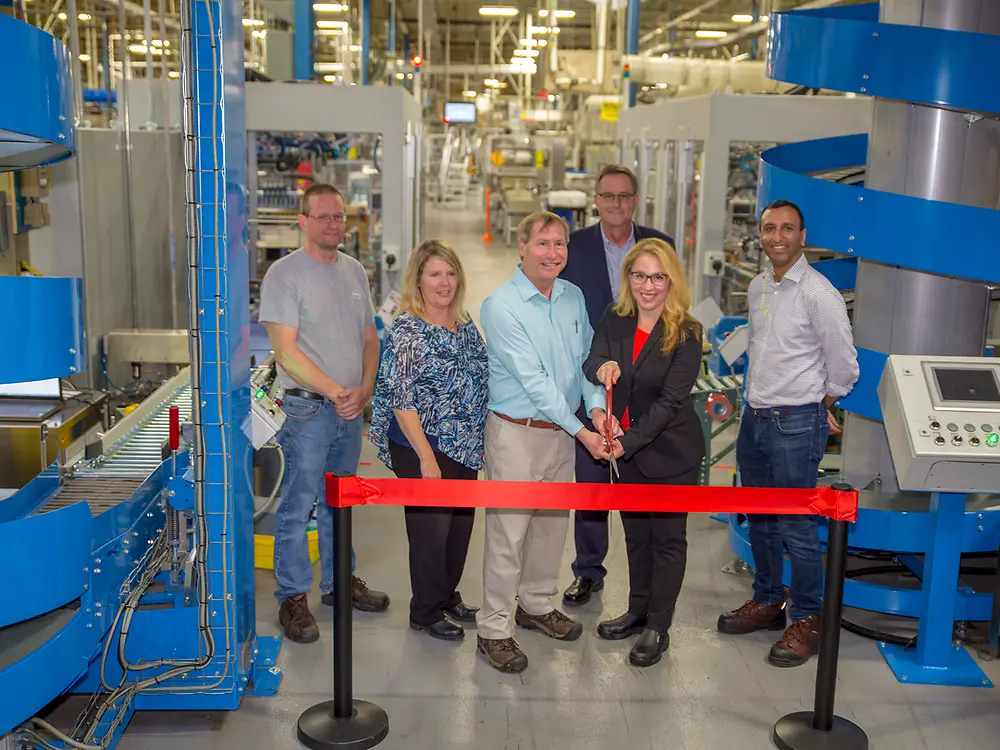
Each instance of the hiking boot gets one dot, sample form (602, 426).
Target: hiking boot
(503, 654)
(299, 624)
(797, 644)
(363, 598)
(554, 624)
(752, 617)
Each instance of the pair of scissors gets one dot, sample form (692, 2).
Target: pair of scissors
(610, 437)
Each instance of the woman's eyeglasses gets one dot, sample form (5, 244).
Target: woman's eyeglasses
(639, 278)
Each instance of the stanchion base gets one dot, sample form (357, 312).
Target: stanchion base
(796, 732)
(319, 730)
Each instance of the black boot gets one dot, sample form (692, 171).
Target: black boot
(648, 649)
(580, 590)
(444, 629)
(621, 627)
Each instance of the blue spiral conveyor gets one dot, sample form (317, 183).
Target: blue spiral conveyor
(918, 240)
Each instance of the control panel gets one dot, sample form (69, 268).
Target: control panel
(942, 421)
(266, 418)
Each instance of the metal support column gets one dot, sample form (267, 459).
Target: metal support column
(305, 24)
(366, 39)
(632, 43)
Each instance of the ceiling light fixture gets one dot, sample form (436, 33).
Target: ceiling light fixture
(329, 7)
(62, 16)
(742, 18)
(498, 10)
(708, 34)
(331, 24)
(84, 57)
(252, 22)
(84, 16)
(469, 94)
(559, 13)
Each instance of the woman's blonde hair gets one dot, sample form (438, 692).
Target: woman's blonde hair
(677, 322)
(413, 301)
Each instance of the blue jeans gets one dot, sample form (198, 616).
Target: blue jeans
(782, 447)
(315, 440)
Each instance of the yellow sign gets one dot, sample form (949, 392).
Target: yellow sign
(539, 160)
(609, 111)
(497, 158)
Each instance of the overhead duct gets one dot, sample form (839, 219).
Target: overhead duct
(691, 76)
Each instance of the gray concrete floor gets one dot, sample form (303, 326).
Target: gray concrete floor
(709, 691)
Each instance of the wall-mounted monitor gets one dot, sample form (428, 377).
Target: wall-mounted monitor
(460, 112)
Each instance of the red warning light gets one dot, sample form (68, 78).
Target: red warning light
(417, 61)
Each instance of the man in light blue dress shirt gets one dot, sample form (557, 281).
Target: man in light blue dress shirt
(537, 336)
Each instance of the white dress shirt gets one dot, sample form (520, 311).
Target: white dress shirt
(801, 344)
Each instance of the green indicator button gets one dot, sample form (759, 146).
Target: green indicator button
(992, 439)
(260, 394)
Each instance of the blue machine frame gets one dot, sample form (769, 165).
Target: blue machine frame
(920, 65)
(193, 645)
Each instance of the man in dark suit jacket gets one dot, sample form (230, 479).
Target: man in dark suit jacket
(594, 264)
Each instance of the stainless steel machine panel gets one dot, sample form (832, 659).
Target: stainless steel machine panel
(942, 420)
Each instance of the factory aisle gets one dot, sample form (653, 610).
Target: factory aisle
(709, 692)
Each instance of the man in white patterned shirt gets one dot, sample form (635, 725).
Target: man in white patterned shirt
(801, 359)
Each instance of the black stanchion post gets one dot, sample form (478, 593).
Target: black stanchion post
(821, 729)
(343, 723)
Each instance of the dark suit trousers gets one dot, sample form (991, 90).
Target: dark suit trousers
(657, 552)
(590, 527)
(438, 537)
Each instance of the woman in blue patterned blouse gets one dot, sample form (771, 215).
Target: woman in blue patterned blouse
(428, 419)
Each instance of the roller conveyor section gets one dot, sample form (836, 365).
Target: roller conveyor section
(718, 383)
(113, 477)
(140, 451)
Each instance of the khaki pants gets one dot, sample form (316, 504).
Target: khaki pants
(524, 548)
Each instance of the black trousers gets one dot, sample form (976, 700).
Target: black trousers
(439, 540)
(656, 544)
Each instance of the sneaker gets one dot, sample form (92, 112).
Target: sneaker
(362, 597)
(299, 624)
(503, 654)
(752, 617)
(554, 624)
(797, 644)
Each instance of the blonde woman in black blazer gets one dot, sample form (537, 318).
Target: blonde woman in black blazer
(647, 347)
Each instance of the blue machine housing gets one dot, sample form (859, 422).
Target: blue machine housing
(921, 65)
(716, 364)
(77, 560)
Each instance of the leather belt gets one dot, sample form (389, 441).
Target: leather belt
(540, 424)
(303, 393)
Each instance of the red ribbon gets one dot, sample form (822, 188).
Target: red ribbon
(344, 492)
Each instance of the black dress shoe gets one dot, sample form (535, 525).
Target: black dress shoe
(621, 627)
(648, 649)
(580, 590)
(444, 629)
(461, 612)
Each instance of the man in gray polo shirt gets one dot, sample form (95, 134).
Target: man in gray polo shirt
(316, 306)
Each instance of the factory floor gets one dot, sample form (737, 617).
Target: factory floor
(709, 692)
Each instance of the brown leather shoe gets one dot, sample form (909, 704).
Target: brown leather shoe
(299, 624)
(797, 644)
(752, 617)
(554, 624)
(362, 597)
(503, 654)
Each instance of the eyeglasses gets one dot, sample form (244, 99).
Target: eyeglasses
(327, 218)
(617, 197)
(639, 278)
